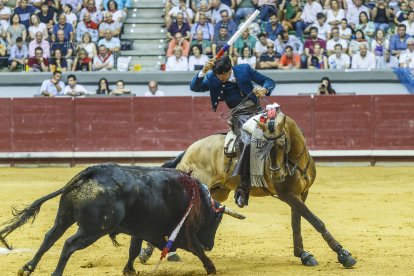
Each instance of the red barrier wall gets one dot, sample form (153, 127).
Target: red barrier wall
(173, 123)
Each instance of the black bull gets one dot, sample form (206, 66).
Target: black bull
(145, 203)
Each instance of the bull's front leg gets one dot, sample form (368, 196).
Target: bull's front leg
(197, 249)
(134, 250)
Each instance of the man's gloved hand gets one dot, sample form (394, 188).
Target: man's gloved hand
(259, 91)
(208, 66)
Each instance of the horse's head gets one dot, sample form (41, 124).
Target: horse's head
(274, 132)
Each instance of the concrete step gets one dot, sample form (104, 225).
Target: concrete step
(138, 46)
(141, 28)
(140, 20)
(136, 35)
(149, 51)
(144, 13)
(145, 4)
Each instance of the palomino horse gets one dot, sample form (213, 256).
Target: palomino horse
(289, 173)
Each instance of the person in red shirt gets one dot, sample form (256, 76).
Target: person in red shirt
(289, 60)
(38, 63)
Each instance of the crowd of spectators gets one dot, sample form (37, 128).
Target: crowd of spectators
(63, 35)
(295, 34)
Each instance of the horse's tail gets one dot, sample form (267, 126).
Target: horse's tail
(174, 162)
(22, 216)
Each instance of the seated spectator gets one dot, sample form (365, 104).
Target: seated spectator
(182, 8)
(109, 24)
(409, 23)
(118, 14)
(220, 40)
(15, 30)
(25, 11)
(37, 26)
(71, 18)
(54, 86)
(273, 28)
(355, 43)
(245, 39)
(334, 14)
(104, 61)
(324, 30)
(363, 59)
(285, 40)
(226, 22)
(380, 44)
(197, 59)
(203, 10)
(38, 63)
(261, 44)
(267, 8)
(289, 59)
(338, 59)
(82, 61)
(65, 47)
(407, 57)
(325, 87)
(205, 44)
(196, 4)
(113, 44)
(345, 32)
(88, 45)
(387, 61)
(103, 87)
(65, 27)
(402, 14)
(87, 26)
(76, 6)
(95, 14)
(381, 15)
(308, 16)
(269, 59)
(206, 28)
(216, 7)
(179, 26)
(18, 55)
(177, 62)
(244, 8)
(353, 13)
(74, 89)
(291, 14)
(5, 14)
(39, 42)
(247, 57)
(330, 45)
(120, 89)
(312, 41)
(121, 4)
(366, 26)
(398, 42)
(178, 41)
(47, 15)
(153, 90)
(317, 60)
(58, 62)
(3, 52)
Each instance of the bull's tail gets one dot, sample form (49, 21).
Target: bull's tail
(174, 162)
(21, 217)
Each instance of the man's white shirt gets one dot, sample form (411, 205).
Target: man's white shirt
(368, 62)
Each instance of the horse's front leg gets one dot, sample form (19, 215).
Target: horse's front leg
(299, 207)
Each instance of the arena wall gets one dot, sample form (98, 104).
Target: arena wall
(128, 127)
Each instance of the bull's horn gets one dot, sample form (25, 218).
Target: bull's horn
(232, 213)
(261, 125)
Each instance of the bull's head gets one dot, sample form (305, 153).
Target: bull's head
(274, 131)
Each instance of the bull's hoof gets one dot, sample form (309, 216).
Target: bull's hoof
(174, 258)
(145, 254)
(210, 270)
(308, 259)
(129, 272)
(345, 258)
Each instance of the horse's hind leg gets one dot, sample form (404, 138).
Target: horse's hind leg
(344, 257)
(134, 250)
(62, 223)
(79, 240)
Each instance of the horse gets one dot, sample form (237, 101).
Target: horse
(289, 173)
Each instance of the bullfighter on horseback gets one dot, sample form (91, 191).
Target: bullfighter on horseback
(234, 86)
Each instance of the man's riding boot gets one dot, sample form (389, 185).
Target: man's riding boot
(241, 195)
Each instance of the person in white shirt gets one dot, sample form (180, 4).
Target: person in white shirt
(409, 23)
(363, 59)
(334, 13)
(104, 60)
(330, 44)
(308, 17)
(353, 13)
(261, 44)
(324, 30)
(247, 57)
(183, 9)
(177, 62)
(197, 59)
(217, 7)
(5, 14)
(153, 90)
(345, 32)
(54, 86)
(339, 60)
(407, 57)
(74, 89)
(387, 61)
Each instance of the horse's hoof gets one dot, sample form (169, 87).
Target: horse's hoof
(25, 270)
(174, 258)
(345, 258)
(308, 259)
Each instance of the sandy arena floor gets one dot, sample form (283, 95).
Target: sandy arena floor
(368, 209)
